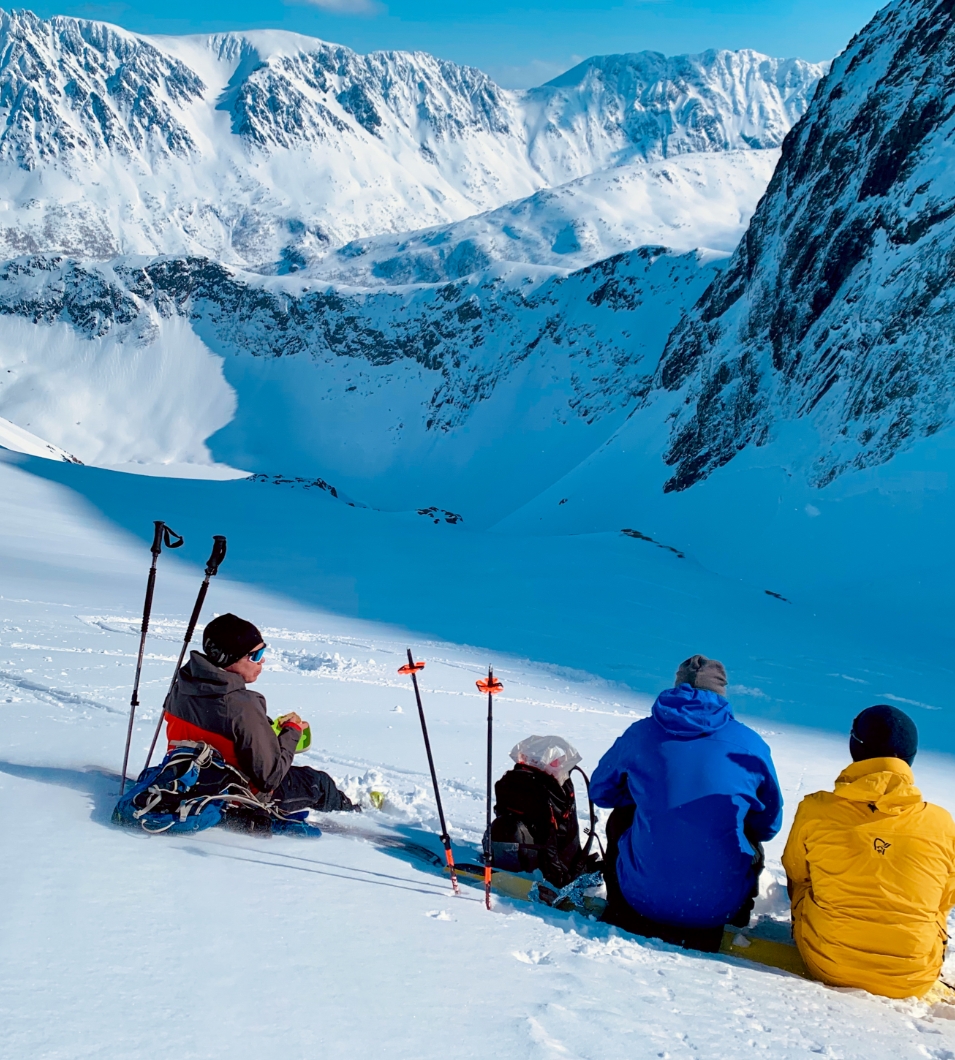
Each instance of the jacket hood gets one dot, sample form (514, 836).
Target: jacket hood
(886, 782)
(206, 679)
(689, 711)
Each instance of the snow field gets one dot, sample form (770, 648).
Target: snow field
(113, 943)
(99, 394)
(698, 200)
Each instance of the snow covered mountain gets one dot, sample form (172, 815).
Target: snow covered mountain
(354, 267)
(799, 426)
(838, 308)
(686, 202)
(268, 149)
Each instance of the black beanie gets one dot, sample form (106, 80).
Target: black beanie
(883, 732)
(229, 638)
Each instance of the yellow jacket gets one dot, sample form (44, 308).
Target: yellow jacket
(872, 874)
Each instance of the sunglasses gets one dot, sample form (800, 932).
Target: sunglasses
(256, 656)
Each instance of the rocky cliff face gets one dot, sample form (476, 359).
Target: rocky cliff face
(72, 90)
(311, 96)
(838, 305)
(599, 329)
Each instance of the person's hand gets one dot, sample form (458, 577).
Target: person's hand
(292, 719)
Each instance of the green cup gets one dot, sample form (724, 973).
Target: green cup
(304, 741)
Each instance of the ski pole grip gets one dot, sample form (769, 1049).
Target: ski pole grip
(218, 555)
(156, 547)
(163, 533)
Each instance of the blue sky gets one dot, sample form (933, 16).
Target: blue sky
(518, 44)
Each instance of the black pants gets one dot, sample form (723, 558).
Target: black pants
(304, 788)
(620, 913)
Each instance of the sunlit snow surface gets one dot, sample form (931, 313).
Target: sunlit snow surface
(115, 944)
(703, 199)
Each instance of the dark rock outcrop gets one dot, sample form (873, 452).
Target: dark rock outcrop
(838, 304)
(601, 326)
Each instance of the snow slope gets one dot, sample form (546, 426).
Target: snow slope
(114, 943)
(688, 202)
(266, 148)
(18, 440)
(616, 604)
(100, 392)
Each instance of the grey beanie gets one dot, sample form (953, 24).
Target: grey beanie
(703, 673)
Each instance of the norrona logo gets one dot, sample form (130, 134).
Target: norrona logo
(880, 845)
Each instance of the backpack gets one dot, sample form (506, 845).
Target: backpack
(535, 826)
(194, 788)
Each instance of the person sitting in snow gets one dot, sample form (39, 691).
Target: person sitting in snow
(694, 796)
(211, 704)
(871, 868)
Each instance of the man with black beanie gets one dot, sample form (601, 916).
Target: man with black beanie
(211, 703)
(871, 869)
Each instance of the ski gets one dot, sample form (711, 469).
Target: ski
(737, 942)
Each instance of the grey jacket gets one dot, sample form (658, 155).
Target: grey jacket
(211, 705)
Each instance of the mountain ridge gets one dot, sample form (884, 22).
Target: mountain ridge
(263, 148)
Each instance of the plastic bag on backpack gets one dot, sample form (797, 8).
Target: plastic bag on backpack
(550, 754)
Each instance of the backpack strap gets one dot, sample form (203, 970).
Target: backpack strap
(592, 830)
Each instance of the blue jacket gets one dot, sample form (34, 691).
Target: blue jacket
(705, 791)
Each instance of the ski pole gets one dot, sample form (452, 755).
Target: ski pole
(173, 540)
(212, 568)
(413, 668)
(492, 686)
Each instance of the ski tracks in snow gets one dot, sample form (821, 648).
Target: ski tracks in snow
(18, 682)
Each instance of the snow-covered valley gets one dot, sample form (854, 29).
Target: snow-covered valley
(385, 240)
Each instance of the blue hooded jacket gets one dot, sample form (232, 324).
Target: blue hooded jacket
(705, 791)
